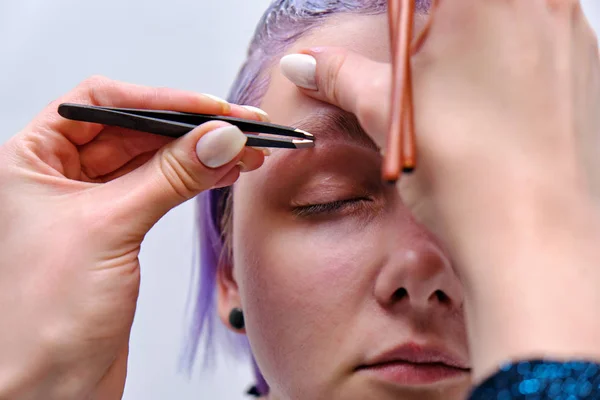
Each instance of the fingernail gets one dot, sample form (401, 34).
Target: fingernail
(262, 114)
(221, 146)
(224, 103)
(242, 166)
(265, 151)
(300, 69)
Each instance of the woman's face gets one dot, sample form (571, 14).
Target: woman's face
(345, 295)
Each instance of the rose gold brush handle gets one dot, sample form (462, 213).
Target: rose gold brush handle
(400, 150)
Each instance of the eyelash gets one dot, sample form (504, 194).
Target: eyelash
(330, 208)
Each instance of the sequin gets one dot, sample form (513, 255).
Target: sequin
(542, 380)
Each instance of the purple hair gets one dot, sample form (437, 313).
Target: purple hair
(284, 22)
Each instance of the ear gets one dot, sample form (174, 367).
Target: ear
(228, 295)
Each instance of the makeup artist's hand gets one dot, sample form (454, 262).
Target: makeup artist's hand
(508, 131)
(76, 200)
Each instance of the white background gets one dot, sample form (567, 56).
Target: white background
(47, 47)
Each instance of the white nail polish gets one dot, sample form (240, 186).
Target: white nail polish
(215, 98)
(242, 166)
(262, 113)
(267, 152)
(301, 69)
(226, 107)
(219, 147)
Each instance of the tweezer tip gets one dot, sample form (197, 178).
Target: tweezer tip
(303, 143)
(305, 133)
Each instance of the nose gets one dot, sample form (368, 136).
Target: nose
(419, 274)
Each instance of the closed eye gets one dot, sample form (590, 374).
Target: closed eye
(330, 208)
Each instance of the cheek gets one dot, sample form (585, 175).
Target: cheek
(301, 289)
(291, 274)
(300, 265)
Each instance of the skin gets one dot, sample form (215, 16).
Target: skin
(333, 304)
(506, 97)
(70, 296)
(514, 202)
(498, 233)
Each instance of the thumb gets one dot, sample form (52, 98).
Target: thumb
(206, 157)
(344, 79)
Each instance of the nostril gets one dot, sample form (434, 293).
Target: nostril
(399, 294)
(442, 297)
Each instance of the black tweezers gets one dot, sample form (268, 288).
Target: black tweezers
(176, 124)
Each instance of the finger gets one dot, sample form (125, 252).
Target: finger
(347, 80)
(229, 179)
(175, 174)
(249, 112)
(114, 147)
(328, 74)
(109, 93)
(125, 169)
(251, 160)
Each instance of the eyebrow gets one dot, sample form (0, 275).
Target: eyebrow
(334, 124)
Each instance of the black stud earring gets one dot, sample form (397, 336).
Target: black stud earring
(236, 319)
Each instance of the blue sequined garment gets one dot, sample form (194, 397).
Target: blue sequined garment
(542, 380)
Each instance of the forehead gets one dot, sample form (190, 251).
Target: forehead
(363, 34)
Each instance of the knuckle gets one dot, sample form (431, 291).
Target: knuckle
(332, 75)
(95, 87)
(23, 150)
(94, 81)
(563, 8)
(177, 176)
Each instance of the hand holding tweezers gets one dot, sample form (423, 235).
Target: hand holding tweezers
(176, 124)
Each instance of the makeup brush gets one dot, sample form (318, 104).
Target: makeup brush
(400, 152)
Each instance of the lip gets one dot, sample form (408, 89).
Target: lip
(415, 365)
